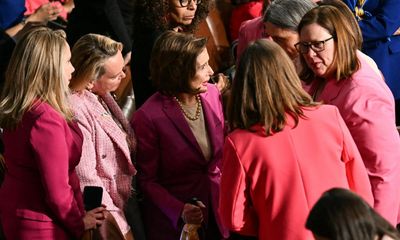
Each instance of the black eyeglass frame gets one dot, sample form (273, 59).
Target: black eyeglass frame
(312, 45)
(197, 2)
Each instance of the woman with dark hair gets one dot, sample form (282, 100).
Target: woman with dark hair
(180, 132)
(275, 163)
(342, 215)
(151, 18)
(339, 74)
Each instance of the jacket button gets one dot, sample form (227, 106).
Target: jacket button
(103, 156)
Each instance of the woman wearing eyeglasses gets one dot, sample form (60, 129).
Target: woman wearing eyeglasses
(151, 18)
(340, 75)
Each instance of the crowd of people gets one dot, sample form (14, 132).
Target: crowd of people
(304, 145)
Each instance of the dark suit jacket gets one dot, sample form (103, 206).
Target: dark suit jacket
(98, 16)
(40, 197)
(171, 166)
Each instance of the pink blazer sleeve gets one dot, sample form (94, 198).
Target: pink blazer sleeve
(235, 208)
(369, 115)
(52, 157)
(356, 172)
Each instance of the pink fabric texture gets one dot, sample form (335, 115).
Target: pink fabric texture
(32, 5)
(269, 184)
(249, 31)
(367, 106)
(106, 157)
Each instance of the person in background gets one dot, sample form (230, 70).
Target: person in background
(180, 132)
(379, 22)
(63, 7)
(284, 150)
(151, 18)
(281, 20)
(251, 30)
(243, 10)
(337, 73)
(340, 214)
(109, 142)
(40, 197)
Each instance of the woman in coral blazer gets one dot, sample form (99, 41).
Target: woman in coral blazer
(40, 197)
(342, 76)
(180, 133)
(284, 152)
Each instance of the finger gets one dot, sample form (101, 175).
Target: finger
(200, 204)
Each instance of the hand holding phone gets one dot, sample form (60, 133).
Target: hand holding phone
(92, 197)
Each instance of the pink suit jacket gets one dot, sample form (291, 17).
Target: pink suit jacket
(171, 166)
(367, 106)
(249, 31)
(269, 184)
(106, 158)
(40, 197)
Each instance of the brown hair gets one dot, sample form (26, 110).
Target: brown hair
(345, 61)
(35, 72)
(173, 61)
(266, 88)
(88, 56)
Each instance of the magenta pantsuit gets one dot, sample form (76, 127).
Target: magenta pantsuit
(171, 166)
(40, 197)
(269, 184)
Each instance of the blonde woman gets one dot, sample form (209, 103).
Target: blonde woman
(109, 142)
(40, 197)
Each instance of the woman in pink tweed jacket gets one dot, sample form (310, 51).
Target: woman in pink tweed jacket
(108, 139)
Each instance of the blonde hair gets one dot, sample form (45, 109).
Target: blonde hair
(35, 71)
(89, 54)
(266, 88)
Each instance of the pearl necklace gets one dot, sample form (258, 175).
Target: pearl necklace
(187, 115)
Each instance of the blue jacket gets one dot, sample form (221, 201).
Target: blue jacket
(380, 21)
(11, 13)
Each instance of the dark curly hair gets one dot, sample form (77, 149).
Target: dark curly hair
(150, 14)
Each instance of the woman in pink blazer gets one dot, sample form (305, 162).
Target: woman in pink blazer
(108, 140)
(40, 197)
(180, 133)
(341, 75)
(284, 152)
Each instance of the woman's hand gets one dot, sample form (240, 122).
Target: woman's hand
(94, 217)
(192, 214)
(46, 12)
(221, 81)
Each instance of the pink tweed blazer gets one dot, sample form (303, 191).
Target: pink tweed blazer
(106, 158)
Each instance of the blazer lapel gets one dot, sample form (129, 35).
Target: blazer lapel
(173, 112)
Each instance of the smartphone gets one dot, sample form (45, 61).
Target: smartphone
(92, 197)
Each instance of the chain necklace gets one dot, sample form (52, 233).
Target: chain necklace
(187, 115)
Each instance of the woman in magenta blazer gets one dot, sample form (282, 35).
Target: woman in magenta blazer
(341, 75)
(40, 197)
(180, 132)
(284, 152)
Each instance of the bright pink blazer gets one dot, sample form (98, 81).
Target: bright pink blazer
(367, 106)
(106, 158)
(269, 184)
(243, 12)
(40, 197)
(171, 166)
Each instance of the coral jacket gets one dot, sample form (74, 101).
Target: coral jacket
(40, 197)
(367, 106)
(269, 184)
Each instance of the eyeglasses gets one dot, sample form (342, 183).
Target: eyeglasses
(317, 46)
(185, 3)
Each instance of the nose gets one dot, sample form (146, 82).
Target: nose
(211, 72)
(192, 5)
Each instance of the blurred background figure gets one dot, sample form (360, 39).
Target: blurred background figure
(180, 132)
(151, 18)
(40, 197)
(109, 142)
(338, 74)
(62, 7)
(284, 152)
(380, 25)
(243, 10)
(342, 215)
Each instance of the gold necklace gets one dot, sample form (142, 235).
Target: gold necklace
(187, 115)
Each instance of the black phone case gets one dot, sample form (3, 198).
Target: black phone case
(92, 197)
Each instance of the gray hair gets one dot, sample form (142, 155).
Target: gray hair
(287, 14)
